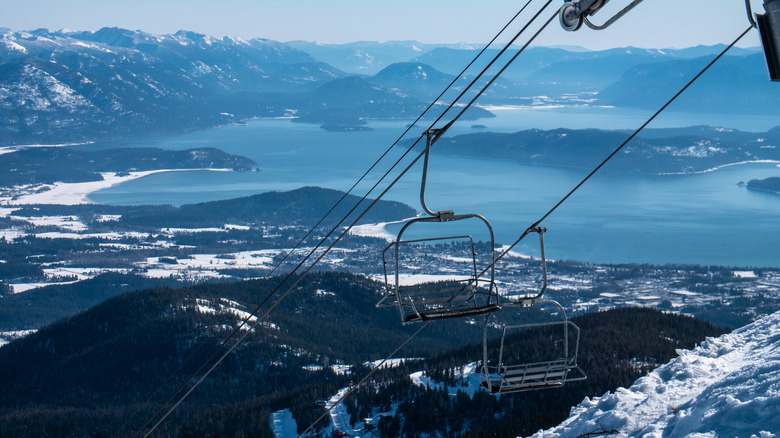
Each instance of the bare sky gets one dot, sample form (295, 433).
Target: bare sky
(653, 24)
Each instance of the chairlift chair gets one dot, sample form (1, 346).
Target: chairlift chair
(508, 374)
(472, 292)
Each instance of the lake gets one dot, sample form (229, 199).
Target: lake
(615, 218)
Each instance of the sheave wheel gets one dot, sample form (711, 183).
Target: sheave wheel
(570, 19)
(596, 6)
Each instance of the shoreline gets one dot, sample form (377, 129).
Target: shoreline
(717, 168)
(78, 193)
(377, 230)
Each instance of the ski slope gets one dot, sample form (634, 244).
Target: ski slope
(727, 387)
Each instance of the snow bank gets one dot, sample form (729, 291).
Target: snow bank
(283, 424)
(729, 386)
(468, 378)
(76, 193)
(375, 230)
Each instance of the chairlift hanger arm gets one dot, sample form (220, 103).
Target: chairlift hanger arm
(769, 27)
(431, 137)
(575, 12)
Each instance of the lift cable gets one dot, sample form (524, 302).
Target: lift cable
(487, 67)
(532, 227)
(279, 300)
(425, 324)
(417, 159)
(300, 242)
(247, 319)
(398, 140)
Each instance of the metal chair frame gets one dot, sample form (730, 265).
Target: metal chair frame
(504, 378)
(446, 299)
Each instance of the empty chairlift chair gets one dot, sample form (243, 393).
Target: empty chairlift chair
(416, 280)
(536, 355)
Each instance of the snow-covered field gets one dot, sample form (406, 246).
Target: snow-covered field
(283, 424)
(727, 387)
(76, 193)
(375, 230)
(6, 337)
(468, 375)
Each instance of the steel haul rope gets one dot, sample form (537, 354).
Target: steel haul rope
(532, 227)
(246, 320)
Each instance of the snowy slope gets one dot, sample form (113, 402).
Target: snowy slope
(727, 387)
(283, 424)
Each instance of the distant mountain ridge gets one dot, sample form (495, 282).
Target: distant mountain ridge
(58, 86)
(66, 86)
(370, 57)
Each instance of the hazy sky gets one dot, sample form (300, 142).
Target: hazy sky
(654, 23)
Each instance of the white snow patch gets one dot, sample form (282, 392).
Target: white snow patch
(375, 230)
(77, 193)
(172, 231)
(72, 223)
(14, 47)
(729, 386)
(341, 369)
(745, 274)
(467, 376)
(108, 217)
(237, 227)
(6, 337)
(324, 293)
(514, 254)
(338, 414)
(391, 363)
(312, 367)
(714, 169)
(206, 265)
(283, 424)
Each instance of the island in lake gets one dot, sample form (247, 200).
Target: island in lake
(771, 185)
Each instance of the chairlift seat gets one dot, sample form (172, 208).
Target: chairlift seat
(447, 299)
(506, 377)
(530, 376)
(467, 294)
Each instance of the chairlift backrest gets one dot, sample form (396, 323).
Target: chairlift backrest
(470, 291)
(508, 374)
(423, 292)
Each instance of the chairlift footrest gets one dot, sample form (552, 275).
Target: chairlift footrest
(452, 313)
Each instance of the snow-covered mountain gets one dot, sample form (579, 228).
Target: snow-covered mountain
(727, 387)
(369, 57)
(61, 86)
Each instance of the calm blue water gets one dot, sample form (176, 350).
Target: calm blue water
(703, 219)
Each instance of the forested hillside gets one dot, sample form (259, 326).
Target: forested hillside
(658, 151)
(771, 185)
(104, 371)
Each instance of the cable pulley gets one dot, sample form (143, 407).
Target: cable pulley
(573, 13)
